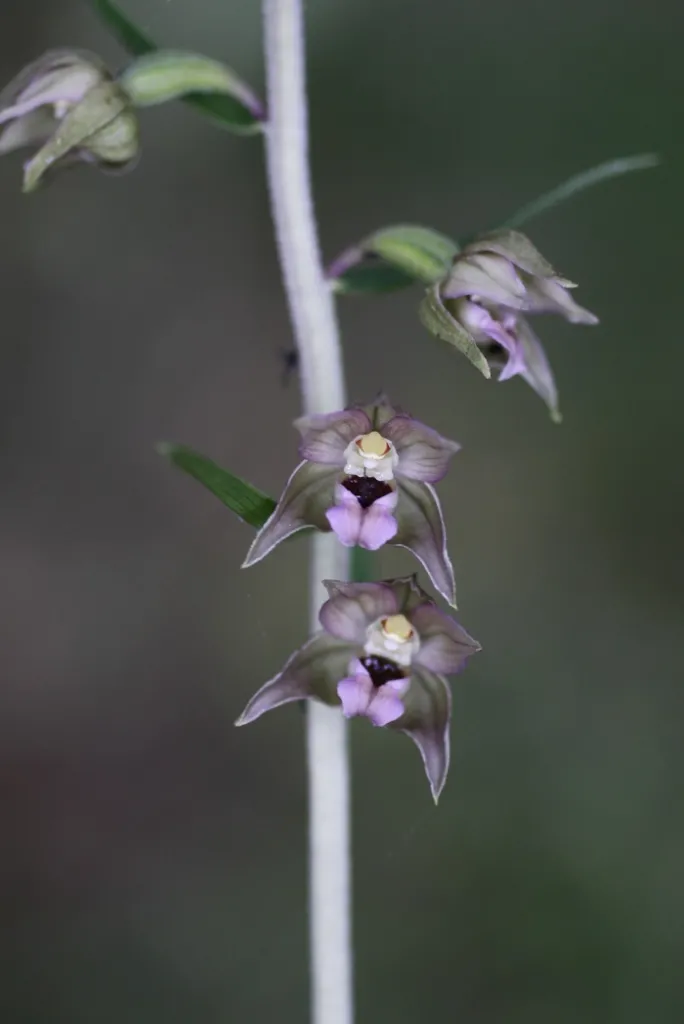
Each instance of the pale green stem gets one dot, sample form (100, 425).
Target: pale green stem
(322, 378)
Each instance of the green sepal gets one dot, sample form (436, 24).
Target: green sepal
(439, 321)
(84, 124)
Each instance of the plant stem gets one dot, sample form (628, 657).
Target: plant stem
(322, 380)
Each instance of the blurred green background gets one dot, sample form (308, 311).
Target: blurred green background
(153, 858)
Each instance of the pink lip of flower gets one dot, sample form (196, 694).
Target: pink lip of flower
(359, 696)
(367, 474)
(383, 654)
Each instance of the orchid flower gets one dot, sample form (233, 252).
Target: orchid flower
(367, 474)
(383, 654)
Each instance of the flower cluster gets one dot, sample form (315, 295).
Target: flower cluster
(492, 284)
(367, 474)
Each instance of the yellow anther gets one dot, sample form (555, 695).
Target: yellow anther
(373, 445)
(397, 627)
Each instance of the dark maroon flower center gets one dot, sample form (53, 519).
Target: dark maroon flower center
(493, 349)
(381, 670)
(366, 489)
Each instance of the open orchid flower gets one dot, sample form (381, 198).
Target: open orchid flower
(493, 282)
(367, 474)
(383, 655)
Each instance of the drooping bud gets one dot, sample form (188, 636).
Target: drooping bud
(68, 105)
(480, 305)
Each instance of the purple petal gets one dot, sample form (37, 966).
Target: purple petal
(444, 644)
(311, 672)
(326, 436)
(423, 453)
(356, 691)
(517, 248)
(307, 495)
(487, 276)
(515, 363)
(352, 607)
(426, 722)
(537, 370)
(484, 327)
(378, 525)
(30, 130)
(421, 530)
(345, 517)
(548, 295)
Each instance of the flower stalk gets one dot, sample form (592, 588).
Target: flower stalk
(322, 381)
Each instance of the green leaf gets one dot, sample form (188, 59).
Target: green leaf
(239, 111)
(129, 35)
(372, 278)
(226, 113)
(439, 321)
(579, 182)
(169, 74)
(413, 252)
(251, 505)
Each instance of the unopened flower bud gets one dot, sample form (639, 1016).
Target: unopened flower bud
(67, 106)
(493, 282)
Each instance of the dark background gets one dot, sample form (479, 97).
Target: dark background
(153, 858)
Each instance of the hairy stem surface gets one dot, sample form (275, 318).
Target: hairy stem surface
(322, 380)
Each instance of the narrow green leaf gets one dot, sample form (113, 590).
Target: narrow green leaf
(251, 505)
(372, 278)
(226, 113)
(170, 74)
(129, 35)
(578, 183)
(239, 112)
(413, 252)
(439, 321)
